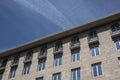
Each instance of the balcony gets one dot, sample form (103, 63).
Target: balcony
(75, 45)
(14, 63)
(58, 51)
(28, 59)
(2, 67)
(93, 40)
(42, 56)
(115, 33)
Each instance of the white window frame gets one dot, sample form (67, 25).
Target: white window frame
(95, 54)
(97, 71)
(116, 45)
(75, 73)
(42, 67)
(57, 75)
(57, 59)
(12, 72)
(26, 68)
(76, 55)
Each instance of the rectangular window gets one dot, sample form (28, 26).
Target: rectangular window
(117, 44)
(115, 28)
(41, 65)
(57, 76)
(94, 50)
(29, 55)
(75, 74)
(26, 69)
(97, 69)
(58, 60)
(40, 78)
(93, 35)
(1, 74)
(75, 55)
(12, 72)
(15, 60)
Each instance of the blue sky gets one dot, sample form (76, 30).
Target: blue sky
(22, 21)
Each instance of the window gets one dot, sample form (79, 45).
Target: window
(76, 74)
(94, 50)
(26, 69)
(97, 69)
(12, 72)
(75, 55)
(1, 74)
(40, 78)
(115, 27)
(117, 44)
(43, 51)
(15, 60)
(93, 35)
(75, 41)
(58, 46)
(119, 60)
(4, 62)
(57, 76)
(29, 55)
(58, 60)
(41, 65)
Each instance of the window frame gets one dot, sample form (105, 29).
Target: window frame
(92, 35)
(26, 68)
(94, 47)
(75, 41)
(97, 70)
(118, 39)
(12, 72)
(57, 75)
(76, 75)
(115, 27)
(75, 54)
(43, 51)
(57, 62)
(29, 57)
(58, 46)
(43, 63)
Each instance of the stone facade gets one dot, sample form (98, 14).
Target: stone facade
(108, 57)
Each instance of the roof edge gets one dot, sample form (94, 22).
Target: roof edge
(83, 27)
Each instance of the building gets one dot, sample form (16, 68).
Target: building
(87, 52)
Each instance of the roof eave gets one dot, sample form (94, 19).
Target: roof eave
(61, 34)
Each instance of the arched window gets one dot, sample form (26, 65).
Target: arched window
(115, 27)
(43, 51)
(58, 46)
(75, 41)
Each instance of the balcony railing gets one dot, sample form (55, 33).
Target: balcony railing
(115, 33)
(93, 40)
(2, 67)
(15, 63)
(58, 50)
(75, 45)
(42, 55)
(27, 59)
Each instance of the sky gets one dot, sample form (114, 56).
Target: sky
(23, 21)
